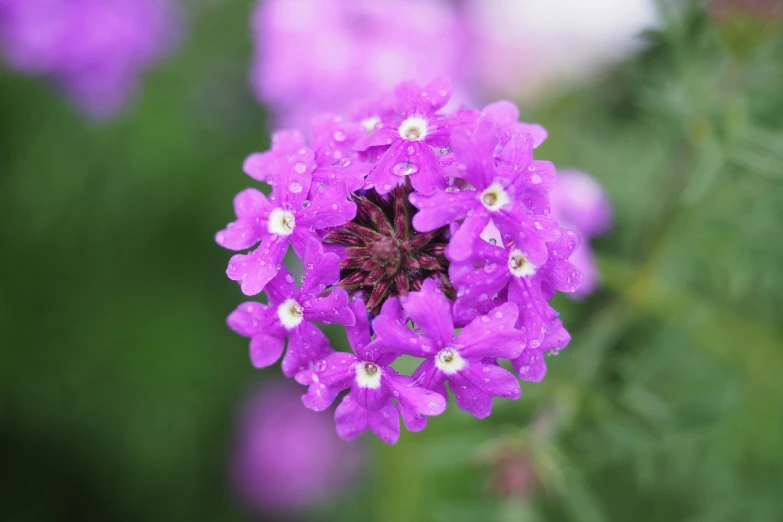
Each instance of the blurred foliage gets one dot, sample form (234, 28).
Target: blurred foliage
(119, 378)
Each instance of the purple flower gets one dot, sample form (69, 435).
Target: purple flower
(291, 313)
(313, 56)
(497, 189)
(498, 273)
(527, 50)
(460, 360)
(95, 50)
(378, 394)
(284, 457)
(295, 211)
(580, 203)
(408, 138)
(437, 218)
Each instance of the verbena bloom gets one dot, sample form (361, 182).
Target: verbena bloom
(580, 203)
(321, 55)
(378, 393)
(291, 314)
(95, 50)
(430, 221)
(295, 212)
(284, 457)
(457, 359)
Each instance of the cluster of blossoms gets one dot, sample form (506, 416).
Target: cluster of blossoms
(95, 50)
(411, 223)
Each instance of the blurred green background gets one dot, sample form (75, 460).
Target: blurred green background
(119, 379)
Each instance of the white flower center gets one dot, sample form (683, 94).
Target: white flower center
(290, 314)
(494, 197)
(368, 375)
(281, 222)
(369, 123)
(449, 361)
(413, 129)
(519, 265)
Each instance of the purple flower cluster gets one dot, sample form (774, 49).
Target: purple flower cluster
(424, 233)
(95, 50)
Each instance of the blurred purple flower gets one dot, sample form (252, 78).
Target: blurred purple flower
(286, 457)
(581, 204)
(317, 55)
(95, 50)
(526, 50)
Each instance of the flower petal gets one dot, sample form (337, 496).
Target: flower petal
(330, 309)
(329, 207)
(327, 379)
(530, 366)
(265, 350)
(493, 380)
(492, 335)
(240, 235)
(352, 420)
(257, 268)
(415, 403)
(359, 333)
(393, 335)
(250, 318)
(430, 310)
(321, 269)
(441, 208)
(306, 344)
(281, 287)
(469, 398)
(461, 245)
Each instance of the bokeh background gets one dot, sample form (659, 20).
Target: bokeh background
(121, 386)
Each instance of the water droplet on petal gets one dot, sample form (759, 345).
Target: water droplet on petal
(300, 167)
(405, 168)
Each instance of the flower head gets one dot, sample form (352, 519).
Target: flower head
(430, 221)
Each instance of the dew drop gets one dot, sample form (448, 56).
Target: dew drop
(405, 168)
(339, 136)
(300, 167)
(295, 187)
